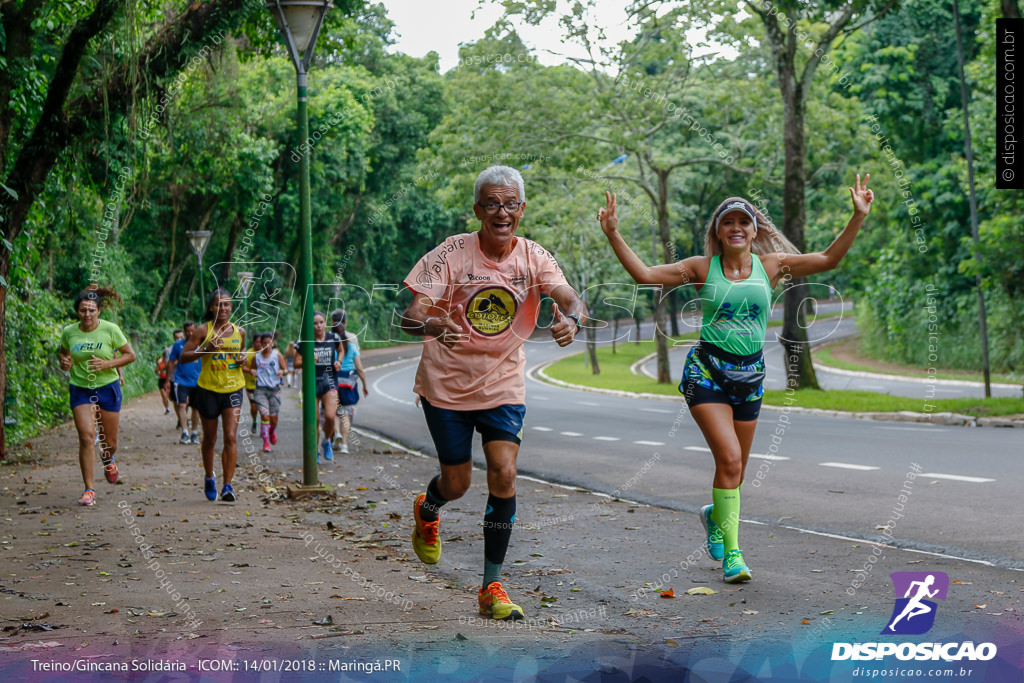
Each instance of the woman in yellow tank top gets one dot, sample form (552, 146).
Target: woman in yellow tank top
(219, 344)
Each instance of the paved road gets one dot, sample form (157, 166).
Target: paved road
(834, 475)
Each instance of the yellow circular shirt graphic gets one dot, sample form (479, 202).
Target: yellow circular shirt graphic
(491, 310)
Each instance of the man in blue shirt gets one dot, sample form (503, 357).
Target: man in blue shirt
(186, 378)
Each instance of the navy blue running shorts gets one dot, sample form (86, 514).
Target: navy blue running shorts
(452, 430)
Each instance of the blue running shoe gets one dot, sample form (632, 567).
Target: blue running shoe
(736, 570)
(210, 488)
(227, 494)
(328, 450)
(713, 544)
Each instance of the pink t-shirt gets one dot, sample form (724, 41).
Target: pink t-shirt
(501, 302)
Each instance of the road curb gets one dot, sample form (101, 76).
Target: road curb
(943, 419)
(903, 378)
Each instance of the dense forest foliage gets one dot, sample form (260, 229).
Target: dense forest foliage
(157, 135)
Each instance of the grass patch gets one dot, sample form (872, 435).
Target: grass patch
(870, 402)
(851, 347)
(615, 374)
(614, 367)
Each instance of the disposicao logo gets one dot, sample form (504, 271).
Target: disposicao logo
(914, 614)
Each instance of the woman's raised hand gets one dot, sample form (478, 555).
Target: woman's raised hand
(609, 216)
(862, 196)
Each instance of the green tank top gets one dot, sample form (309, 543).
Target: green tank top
(735, 314)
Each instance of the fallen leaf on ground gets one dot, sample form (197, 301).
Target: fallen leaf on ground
(701, 590)
(668, 594)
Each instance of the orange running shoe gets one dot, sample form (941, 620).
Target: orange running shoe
(110, 469)
(425, 539)
(494, 603)
(88, 498)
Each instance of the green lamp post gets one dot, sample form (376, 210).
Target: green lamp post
(299, 22)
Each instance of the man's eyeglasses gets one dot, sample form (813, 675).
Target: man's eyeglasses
(492, 209)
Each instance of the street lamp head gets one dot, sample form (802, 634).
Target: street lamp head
(246, 278)
(198, 239)
(299, 22)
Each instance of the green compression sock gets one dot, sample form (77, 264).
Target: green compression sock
(726, 514)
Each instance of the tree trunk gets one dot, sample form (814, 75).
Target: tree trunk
(799, 368)
(673, 311)
(637, 321)
(591, 333)
(1010, 9)
(172, 277)
(615, 333)
(229, 254)
(660, 314)
(661, 340)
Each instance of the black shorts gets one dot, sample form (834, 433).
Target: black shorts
(325, 383)
(163, 383)
(212, 404)
(742, 411)
(181, 393)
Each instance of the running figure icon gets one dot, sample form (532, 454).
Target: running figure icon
(915, 607)
(916, 596)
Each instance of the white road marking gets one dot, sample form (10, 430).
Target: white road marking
(873, 387)
(986, 563)
(956, 477)
(588, 403)
(847, 466)
(542, 429)
(656, 410)
(570, 434)
(762, 456)
(649, 443)
(376, 388)
(606, 438)
(914, 429)
(539, 398)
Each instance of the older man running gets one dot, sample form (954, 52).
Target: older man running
(476, 300)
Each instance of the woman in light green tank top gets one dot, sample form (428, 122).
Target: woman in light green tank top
(745, 257)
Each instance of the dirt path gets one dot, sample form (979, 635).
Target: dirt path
(156, 573)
